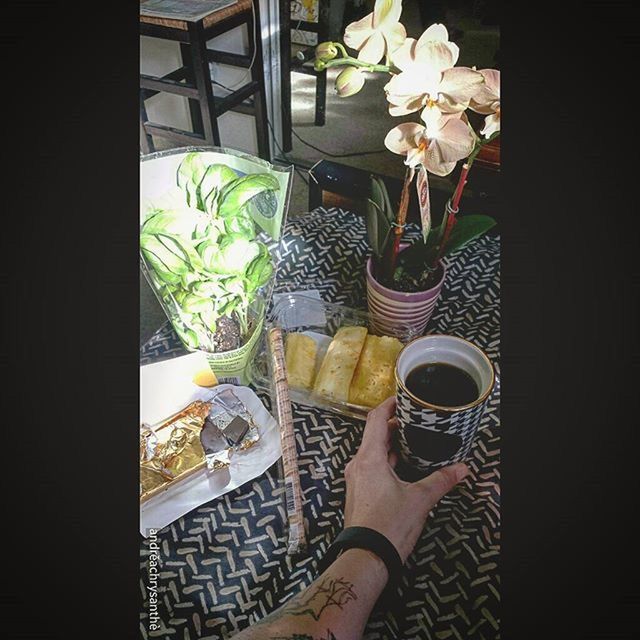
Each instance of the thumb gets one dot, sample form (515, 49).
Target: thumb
(442, 481)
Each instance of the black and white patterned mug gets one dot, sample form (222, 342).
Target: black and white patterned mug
(432, 436)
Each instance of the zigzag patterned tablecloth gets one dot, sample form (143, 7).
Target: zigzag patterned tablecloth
(224, 565)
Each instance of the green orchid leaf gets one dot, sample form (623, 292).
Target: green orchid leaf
(214, 179)
(380, 196)
(416, 257)
(376, 192)
(468, 228)
(237, 194)
(378, 228)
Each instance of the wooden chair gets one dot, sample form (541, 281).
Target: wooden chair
(193, 79)
(301, 63)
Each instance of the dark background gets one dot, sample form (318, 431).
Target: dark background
(70, 321)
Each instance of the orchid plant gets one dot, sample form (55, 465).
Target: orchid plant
(426, 81)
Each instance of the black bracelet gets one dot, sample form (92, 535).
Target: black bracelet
(371, 540)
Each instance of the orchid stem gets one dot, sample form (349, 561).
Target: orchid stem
(342, 49)
(462, 181)
(449, 222)
(478, 147)
(353, 62)
(466, 167)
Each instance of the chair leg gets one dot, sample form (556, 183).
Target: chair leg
(146, 141)
(324, 18)
(321, 98)
(194, 106)
(259, 98)
(200, 66)
(285, 75)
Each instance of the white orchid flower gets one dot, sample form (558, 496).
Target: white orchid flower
(432, 48)
(377, 34)
(428, 77)
(487, 102)
(436, 146)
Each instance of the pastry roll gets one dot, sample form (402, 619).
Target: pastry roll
(334, 378)
(374, 380)
(300, 360)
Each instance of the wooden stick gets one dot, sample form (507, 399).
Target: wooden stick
(401, 218)
(293, 491)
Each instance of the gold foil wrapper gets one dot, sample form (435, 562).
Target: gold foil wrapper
(171, 451)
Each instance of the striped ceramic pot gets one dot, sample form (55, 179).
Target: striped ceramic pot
(391, 310)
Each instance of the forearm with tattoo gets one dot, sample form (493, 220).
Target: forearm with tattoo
(334, 607)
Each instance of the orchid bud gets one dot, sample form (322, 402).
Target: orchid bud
(349, 82)
(319, 65)
(326, 51)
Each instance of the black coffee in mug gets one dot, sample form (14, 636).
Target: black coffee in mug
(442, 384)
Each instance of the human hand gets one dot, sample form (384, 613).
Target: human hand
(378, 499)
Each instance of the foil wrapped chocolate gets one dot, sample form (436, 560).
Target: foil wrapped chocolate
(216, 450)
(202, 435)
(171, 451)
(234, 422)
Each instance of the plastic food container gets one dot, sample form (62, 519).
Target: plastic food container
(295, 312)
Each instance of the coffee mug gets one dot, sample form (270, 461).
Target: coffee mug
(431, 436)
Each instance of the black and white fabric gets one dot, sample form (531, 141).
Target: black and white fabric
(224, 565)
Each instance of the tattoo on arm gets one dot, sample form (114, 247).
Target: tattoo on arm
(328, 592)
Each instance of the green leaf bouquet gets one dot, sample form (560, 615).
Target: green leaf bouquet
(204, 254)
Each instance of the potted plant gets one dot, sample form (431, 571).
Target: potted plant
(207, 247)
(404, 281)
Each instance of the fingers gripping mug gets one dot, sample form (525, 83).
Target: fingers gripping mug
(443, 384)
